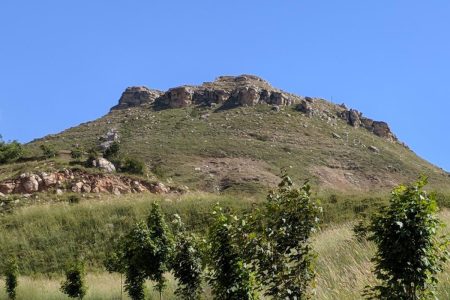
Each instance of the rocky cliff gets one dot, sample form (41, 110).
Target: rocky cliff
(246, 90)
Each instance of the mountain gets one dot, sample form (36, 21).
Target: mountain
(236, 133)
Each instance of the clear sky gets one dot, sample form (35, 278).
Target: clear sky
(66, 62)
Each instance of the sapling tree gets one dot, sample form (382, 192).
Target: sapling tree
(162, 238)
(11, 273)
(186, 262)
(409, 253)
(75, 286)
(10, 151)
(229, 276)
(279, 241)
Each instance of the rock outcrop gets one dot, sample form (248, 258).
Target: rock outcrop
(245, 90)
(136, 96)
(80, 182)
(104, 165)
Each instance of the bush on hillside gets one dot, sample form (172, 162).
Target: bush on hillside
(74, 286)
(48, 151)
(10, 151)
(133, 166)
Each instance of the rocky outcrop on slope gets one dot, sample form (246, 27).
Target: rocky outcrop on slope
(77, 181)
(136, 96)
(247, 90)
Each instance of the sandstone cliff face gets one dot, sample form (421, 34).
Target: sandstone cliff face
(247, 90)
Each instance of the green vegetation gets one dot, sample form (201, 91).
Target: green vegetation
(75, 286)
(11, 273)
(48, 151)
(409, 256)
(10, 152)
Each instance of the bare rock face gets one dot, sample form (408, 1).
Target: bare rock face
(177, 97)
(354, 118)
(305, 107)
(247, 96)
(104, 164)
(109, 138)
(136, 96)
(382, 129)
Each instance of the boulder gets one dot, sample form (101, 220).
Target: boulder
(374, 149)
(179, 97)
(49, 179)
(382, 129)
(104, 164)
(305, 107)
(159, 188)
(354, 118)
(279, 98)
(247, 96)
(29, 183)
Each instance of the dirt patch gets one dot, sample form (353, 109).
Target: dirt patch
(226, 172)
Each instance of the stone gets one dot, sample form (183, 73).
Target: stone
(49, 179)
(336, 136)
(374, 149)
(177, 97)
(59, 192)
(279, 98)
(29, 183)
(382, 129)
(76, 188)
(159, 188)
(86, 188)
(354, 118)
(2, 195)
(104, 164)
(305, 107)
(247, 96)
(136, 96)
(7, 187)
(276, 108)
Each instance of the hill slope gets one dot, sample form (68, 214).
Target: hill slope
(234, 134)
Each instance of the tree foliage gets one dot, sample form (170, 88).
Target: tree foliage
(229, 276)
(279, 241)
(74, 286)
(133, 166)
(10, 151)
(11, 273)
(112, 152)
(409, 254)
(187, 263)
(48, 151)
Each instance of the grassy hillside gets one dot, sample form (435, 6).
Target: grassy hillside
(242, 149)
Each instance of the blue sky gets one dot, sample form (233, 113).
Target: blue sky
(67, 62)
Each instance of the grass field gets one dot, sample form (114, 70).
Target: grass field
(343, 270)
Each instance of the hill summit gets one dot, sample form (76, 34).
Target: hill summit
(235, 134)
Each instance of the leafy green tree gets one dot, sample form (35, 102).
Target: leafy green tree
(163, 239)
(10, 151)
(48, 151)
(229, 276)
(135, 252)
(187, 263)
(11, 273)
(92, 155)
(75, 286)
(409, 253)
(278, 242)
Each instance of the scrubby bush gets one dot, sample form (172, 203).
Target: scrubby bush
(112, 152)
(133, 166)
(409, 255)
(10, 151)
(74, 286)
(77, 153)
(48, 151)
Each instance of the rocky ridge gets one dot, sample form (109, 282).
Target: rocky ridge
(77, 181)
(246, 90)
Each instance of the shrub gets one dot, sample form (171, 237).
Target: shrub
(74, 286)
(48, 151)
(112, 152)
(133, 166)
(76, 153)
(73, 199)
(10, 151)
(409, 255)
(11, 274)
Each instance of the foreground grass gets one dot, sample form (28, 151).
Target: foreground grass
(343, 270)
